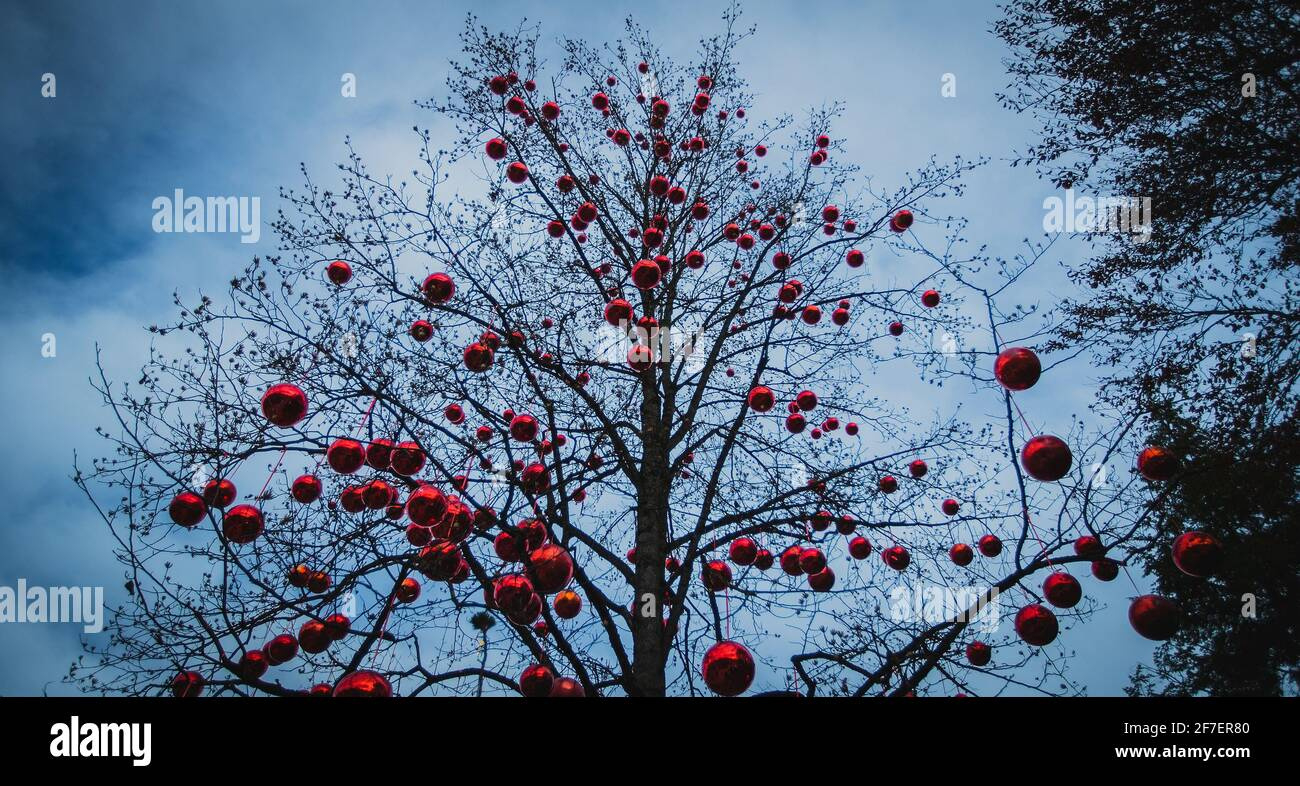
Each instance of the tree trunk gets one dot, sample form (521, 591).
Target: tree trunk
(651, 546)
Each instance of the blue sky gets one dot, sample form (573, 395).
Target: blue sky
(229, 98)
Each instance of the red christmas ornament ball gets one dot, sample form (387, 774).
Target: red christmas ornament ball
(187, 509)
(536, 681)
(567, 604)
(338, 272)
(567, 687)
(346, 456)
(1017, 368)
(187, 684)
(761, 398)
(550, 567)
(990, 545)
(1197, 554)
(364, 684)
(1046, 458)
(242, 524)
(860, 548)
(284, 404)
(1157, 463)
(728, 668)
(822, 580)
(1154, 617)
(1062, 590)
(896, 557)
(1036, 625)
(281, 649)
(978, 653)
(1105, 569)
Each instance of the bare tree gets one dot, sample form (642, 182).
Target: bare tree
(645, 354)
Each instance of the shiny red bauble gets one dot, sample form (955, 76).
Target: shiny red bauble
(517, 172)
(188, 684)
(379, 453)
(512, 593)
(743, 551)
(917, 469)
(535, 479)
(536, 681)
(426, 506)
(716, 575)
(284, 404)
(888, 484)
(508, 547)
(764, 559)
(896, 557)
(895, 328)
(761, 398)
(990, 545)
(1157, 463)
(930, 298)
(900, 221)
(299, 575)
(495, 148)
(346, 456)
(313, 638)
(318, 581)
(855, 258)
(1062, 590)
(807, 400)
(790, 561)
(336, 626)
(1017, 368)
(408, 591)
(187, 509)
(378, 494)
(961, 554)
(728, 668)
(822, 581)
(438, 287)
(368, 684)
(407, 458)
(351, 499)
(646, 274)
(478, 357)
(860, 548)
(812, 560)
(338, 272)
(1046, 458)
(1197, 554)
(618, 311)
(1089, 547)
(219, 493)
(253, 665)
(951, 507)
(978, 653)
(242, 524)
(523, 428)
(567, 687)
(281, 649)
(421, 330)
(1036, 625)
(1154, 617)
(567, 604)
(550, 567)
(1105, 569)
(306, 489)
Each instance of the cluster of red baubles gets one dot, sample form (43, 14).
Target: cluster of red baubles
(538, 681)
